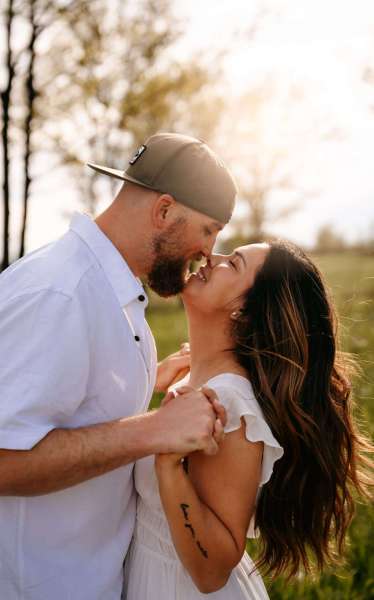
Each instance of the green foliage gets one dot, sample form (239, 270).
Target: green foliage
(169, 326)
(351, 280)
(108, 73)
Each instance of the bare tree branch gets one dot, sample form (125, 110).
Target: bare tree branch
(30, 98)
(5, 102)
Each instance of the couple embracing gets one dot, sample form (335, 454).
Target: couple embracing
(100, 499)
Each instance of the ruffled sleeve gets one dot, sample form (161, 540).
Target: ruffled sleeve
(237, 396)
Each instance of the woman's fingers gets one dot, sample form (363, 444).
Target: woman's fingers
(218, 407)
(218, 432)
(209, 393)
(220, 412)
(181, 360)
(180, 375)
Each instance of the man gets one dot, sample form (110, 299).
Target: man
(78, 367)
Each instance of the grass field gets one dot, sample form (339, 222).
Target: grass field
(351, 281)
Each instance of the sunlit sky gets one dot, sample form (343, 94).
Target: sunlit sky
(322, 46)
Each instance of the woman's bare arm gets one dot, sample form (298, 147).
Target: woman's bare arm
(209, 509)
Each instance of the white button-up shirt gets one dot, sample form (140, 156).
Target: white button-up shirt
(75, 350)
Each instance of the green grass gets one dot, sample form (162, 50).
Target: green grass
(351, 281)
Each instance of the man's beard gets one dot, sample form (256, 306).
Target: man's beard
(168, 272)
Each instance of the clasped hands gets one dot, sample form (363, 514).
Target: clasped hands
(199, 423)
(194, 418)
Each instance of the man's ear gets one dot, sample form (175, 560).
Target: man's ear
(163, 211)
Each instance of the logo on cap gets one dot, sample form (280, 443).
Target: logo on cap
(138, 154)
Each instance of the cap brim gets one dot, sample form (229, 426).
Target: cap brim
(117, 174)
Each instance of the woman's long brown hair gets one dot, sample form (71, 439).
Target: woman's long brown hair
(285, 337)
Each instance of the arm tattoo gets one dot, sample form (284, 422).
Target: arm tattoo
(184, 508)
(190, 528)
(188, 525)
(203, 552)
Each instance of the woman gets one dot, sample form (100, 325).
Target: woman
(262, 335)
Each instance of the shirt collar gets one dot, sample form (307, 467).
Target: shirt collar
(126, 286)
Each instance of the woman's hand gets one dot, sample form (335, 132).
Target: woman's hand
(173, 368)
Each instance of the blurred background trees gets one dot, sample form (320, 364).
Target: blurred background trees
(266, 156)
(19, 95)
(5, 102)
(118, 85)
(93, 79)
(329, 241)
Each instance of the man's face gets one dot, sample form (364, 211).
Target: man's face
(189, 238)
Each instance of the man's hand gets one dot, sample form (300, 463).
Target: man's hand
(191, 420)
(173, 368)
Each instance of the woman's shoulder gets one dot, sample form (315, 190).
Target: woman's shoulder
(232, 381)
(234, 389)
(227, 383)
(236, 393)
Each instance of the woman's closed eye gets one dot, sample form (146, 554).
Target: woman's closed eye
(233, 264)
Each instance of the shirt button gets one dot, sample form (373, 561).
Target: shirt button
(141, 298)
(137, 338)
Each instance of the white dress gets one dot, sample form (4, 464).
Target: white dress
(153, 570)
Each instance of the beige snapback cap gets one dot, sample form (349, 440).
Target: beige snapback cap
(184, 167)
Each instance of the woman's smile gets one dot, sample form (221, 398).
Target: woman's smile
(202, 274)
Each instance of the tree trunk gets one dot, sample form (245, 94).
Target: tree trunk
(5, 101)
(30, 97)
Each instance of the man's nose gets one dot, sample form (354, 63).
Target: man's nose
(209, 246)
(215, 259)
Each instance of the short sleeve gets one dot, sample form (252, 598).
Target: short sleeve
(239, 403)
(257, 430)
(44, 363)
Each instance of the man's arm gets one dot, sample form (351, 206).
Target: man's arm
(66, 457)
(44, 370)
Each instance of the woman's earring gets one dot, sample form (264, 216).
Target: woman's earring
(236, 314)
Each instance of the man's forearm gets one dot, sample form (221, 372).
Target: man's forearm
(66, 457)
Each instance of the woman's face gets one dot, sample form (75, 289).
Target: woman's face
(221, 283)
